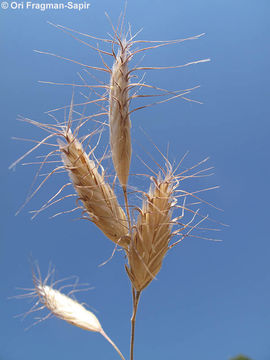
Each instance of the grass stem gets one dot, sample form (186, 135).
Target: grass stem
(112, 343)
(127, 208)
(135, 296)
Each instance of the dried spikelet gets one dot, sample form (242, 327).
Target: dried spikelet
(71, 311)
(97, 196)
(64, 307)
(120, 83)
(67, 308)
(119, 120)
(152, 235)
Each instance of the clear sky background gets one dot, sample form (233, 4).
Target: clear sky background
(211, 300)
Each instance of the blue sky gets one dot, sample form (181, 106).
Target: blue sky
(212, 299)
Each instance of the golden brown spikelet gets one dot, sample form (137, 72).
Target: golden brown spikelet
(152, 235)
(97, 196)
(119, 120)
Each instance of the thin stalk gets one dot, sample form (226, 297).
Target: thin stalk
(112, 343)
(127, 207)
(135, 296)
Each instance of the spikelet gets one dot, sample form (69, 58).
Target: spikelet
(67, 308)
(151, 239)
(119, 120)
(97, 196)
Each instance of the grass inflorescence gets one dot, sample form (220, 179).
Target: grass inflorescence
(164, 213)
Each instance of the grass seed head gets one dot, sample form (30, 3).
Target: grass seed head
(67, 308)
(152, 234)
(63, 306)
(119, 120)
(97, 196)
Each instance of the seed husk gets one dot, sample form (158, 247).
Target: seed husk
(150, 241)
(97, 196)
(119, 121)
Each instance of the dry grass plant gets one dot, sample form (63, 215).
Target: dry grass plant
(147, 238)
